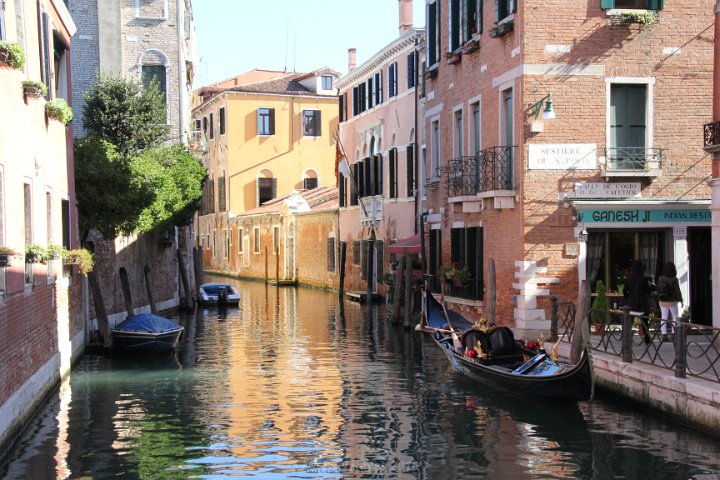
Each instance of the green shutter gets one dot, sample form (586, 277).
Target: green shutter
(607, 4)
(654, 4)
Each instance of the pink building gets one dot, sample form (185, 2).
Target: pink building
(378, 136)
(41, 314)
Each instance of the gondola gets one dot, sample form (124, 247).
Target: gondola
(146, 333)
(494, 357)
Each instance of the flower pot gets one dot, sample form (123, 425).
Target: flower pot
(4, 56)
(599, 328)
(32, 91)
(4, 260)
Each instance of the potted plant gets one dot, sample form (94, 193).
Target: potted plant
(599, 313)
(633, 16)
(6, 253)
(33, 88)
(11, 54)
(389, 279)
(58, 109)
(80, 257)
(36, 254)
(455, 275)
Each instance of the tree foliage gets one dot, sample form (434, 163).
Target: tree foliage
(125, 181)
(125, 113)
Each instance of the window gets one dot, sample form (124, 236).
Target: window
(266, 187)
(378, 88)
(155, 74)
(507, 138)
(198, 125)
(393, 173)
(240, 240)
(433, 30)
(45, 57)
(276, 240)
(61, 77)
(211, 126)
(392, 80)
(475, 111)
(256, 240)
(369, 92)
(311, 123)
(205, 125)
(326, 82)
(65, 212)
(48, 217)
(341, 107)
(331, 254)
(28, 209)
(310, 181)
(465, 21)
(435, 149)
(503, 9)
(222, 121)
(411, 69)
(458, 134)
(639, 4)
(266, 121)
(627, 123)
(3, 34)
(466, 250)
(410, 166)
(222, 197)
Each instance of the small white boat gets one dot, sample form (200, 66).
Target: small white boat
(218, 294)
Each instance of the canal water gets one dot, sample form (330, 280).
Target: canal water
(291, 385)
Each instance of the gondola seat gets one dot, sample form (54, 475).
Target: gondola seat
(503, 346)
(471, 338)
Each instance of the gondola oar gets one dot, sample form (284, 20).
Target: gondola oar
(456, 339)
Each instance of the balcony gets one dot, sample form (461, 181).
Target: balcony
(490, 170)
(197, 141)
(633, 162)
(711, 134)
(372, 210)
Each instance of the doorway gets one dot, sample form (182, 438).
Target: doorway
(700, 255)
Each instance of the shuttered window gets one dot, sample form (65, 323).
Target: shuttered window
(331, 254)
(646, 4)
(411, 68)
(392, 173)
(627, 116)
(378, 82)
(504, 8)
(410, 170)
(392, 79)
(433, 30)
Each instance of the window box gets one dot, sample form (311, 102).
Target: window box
(640, 17)
(502, 29)
(6, 254)
(12, 55)
(32, 88)
(58, 109)
(453, 57)
(471, 46)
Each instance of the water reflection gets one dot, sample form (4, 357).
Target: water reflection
(289, 385)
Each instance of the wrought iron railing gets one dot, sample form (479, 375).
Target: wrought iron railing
(472, 290)
(634, 158)
(490, 169)
(711, 135)
(687, 349)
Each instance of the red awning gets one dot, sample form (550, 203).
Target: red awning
(406, 246)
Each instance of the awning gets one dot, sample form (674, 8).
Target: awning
(406, 246)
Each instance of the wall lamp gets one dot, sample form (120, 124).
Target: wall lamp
(583, 235)
(549, 112)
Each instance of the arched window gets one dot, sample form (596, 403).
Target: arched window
(153, 65)
(266, 187)
(310, 179)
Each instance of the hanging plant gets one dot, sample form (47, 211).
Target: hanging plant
(80, 257)
(12, 54)
(59, 110)
(33, 88)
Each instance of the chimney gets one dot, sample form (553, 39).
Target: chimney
(352, 59)
(406, 15)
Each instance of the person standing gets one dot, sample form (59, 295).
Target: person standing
(637, 295)
(669, 296)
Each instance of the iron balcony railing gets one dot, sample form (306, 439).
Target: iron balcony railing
(634, 158)
(711, 135)
(490, 169)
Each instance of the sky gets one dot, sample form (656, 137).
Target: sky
(235, 36)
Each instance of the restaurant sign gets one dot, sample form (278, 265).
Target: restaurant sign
(564, 156)
(635, 215)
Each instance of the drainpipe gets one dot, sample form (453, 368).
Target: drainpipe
(715, 180)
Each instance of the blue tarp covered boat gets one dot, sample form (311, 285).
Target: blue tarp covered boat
(146, 332)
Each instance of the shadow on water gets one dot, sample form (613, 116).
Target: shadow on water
(293, 384)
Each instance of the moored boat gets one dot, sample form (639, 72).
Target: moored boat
(218, 294)
(494, 357)
(146, 332)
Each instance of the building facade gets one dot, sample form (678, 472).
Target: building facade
(378, 138)
(143, 41)
(261, 135)
(562, 144)
(42, 315)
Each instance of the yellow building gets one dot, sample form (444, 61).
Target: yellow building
(262, 135)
